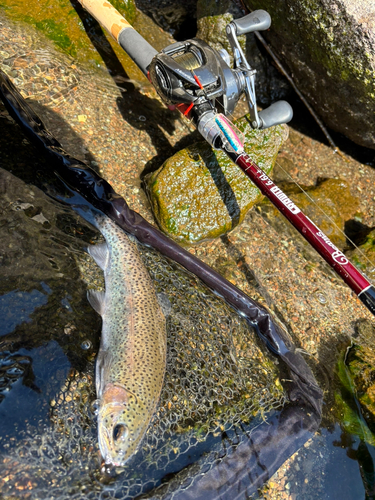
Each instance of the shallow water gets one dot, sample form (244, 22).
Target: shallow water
(49, 338)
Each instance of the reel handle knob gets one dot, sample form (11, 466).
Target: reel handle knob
(278, 112)
(258, 20)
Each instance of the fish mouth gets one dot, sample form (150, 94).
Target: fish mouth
(112, 435)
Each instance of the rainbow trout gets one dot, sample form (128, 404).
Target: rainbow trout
(132, 357)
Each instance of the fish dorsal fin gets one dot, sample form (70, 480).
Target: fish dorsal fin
(100, 253)
(97, 301)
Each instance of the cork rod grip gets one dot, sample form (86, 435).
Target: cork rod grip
(107, 16)
(125, 35)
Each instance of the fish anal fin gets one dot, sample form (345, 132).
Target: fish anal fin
(96, 300)
(100, 253)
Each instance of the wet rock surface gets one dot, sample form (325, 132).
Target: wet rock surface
(329, 204)
(118, 133)
(199, 193)
(330, 50)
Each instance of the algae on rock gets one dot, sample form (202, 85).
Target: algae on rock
(364, 255)
(357, 374)
(212, 20)
(329, 204)
(199, 193)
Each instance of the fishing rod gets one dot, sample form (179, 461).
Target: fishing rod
(197, 79)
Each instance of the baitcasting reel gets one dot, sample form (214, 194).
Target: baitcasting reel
(194, 74)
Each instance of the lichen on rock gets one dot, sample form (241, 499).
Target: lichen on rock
(329, 47)
(199, 193)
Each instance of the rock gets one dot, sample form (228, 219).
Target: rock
(212, 19)
(364, 256)
(353, 375)
(174, 16)
(199, 193)
(81, 37)
(359, 373)
(331, 198)
(329, 47)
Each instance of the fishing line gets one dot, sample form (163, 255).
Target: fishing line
(372, 271)
(325, 214)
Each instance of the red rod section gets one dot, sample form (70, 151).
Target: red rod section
(317, 239)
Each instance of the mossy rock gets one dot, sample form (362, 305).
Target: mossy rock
(60, 22)
(213, 18)
(199, 193)
(364, 255)
(329, 48)
(73, 31)
(357, 374)
(334, 197)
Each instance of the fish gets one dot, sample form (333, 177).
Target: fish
(131, 361)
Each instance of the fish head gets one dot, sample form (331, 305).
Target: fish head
(120, 425)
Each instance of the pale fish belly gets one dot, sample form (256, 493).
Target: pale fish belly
(132, 357)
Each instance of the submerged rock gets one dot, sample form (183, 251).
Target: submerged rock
(357, 374)
(199, 193)
(329, 47)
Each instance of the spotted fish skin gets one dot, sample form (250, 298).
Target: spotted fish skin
(132, 357)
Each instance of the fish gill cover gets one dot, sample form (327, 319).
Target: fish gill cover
(215, 427)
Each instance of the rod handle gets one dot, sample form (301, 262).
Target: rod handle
(109, 17)
(127, 37)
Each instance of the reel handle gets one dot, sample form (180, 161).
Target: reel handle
(278, 112)
(258, 20)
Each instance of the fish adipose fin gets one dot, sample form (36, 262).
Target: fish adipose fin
(100, 254)
(97, 301)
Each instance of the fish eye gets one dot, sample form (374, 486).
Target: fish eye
(120, 432)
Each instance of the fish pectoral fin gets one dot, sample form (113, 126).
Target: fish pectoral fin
(103, 367)
(100, 253)
(164, 303)
(96, 300)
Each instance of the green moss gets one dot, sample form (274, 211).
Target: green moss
(364, 255)
(326, 40)
(60, 23)
(349, 416)
(171, 225)
(55, 32)
(203, 192)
